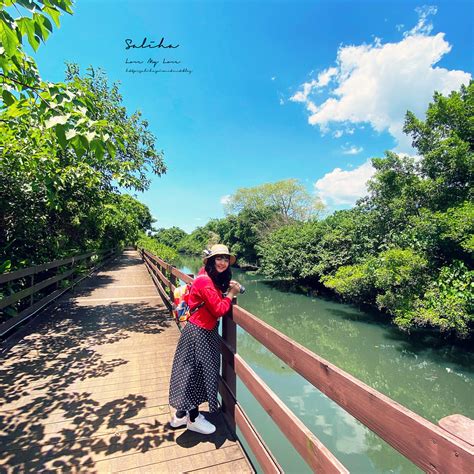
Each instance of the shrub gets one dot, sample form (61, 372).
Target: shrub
(160, 250)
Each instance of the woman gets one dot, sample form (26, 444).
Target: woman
(194, 377)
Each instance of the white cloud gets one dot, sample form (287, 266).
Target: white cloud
(273, 78)
(225, 199)
(423, 27)
(377, 83)
(347, 131)
(323, 80)
(342, 186)
(353, 150)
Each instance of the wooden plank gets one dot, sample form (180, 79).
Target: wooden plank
(164, 281)
(200, 458)
(237, 466)
(33, 289)
(460, 426)
(159, 261)
(263, 454)
(425, 444)
(318, 457)
(236, 416)
(174, 271)
(33, 270)
(173, 284)
(153, 258)
(110, 419)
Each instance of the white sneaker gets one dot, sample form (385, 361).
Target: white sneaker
(201, 425)
(177, 422)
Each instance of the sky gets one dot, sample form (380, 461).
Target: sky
(269, 90)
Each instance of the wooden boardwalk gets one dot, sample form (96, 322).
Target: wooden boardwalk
(86, 389)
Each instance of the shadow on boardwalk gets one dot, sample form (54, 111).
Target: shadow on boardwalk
(43, 368)
(87, 388)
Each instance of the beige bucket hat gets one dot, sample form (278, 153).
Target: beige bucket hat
(218, 249)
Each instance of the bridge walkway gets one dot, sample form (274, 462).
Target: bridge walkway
(86, 387)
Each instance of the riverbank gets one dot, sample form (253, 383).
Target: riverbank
(432, 378)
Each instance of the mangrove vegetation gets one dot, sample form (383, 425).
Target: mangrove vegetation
(405, 248)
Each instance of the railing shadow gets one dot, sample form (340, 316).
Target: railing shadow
(44, 422)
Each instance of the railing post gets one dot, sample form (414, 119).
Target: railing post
(173, 282)
(73, 274)
(32, 282)
(229, 335)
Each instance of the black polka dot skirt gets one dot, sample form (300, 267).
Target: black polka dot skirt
(195, 373)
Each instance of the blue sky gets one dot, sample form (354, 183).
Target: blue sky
(306, 90)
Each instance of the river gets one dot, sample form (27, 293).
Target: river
(430, 378)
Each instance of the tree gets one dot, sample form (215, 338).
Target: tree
(445, 140)
(396, 191)
(58, 189)
(195, 242)
(166, 253)
(64, 146)
(18, 70)
(392, 280)
(123, 219)
(447, 303)
(291, 201)
(170, 237)
(407, 247)
(129, 155)
(54, 109)
(291, 251)
(243, 232)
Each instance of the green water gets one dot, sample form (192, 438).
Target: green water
(432, 379)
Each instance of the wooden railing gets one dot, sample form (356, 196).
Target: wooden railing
(446, 448)
(21, 288)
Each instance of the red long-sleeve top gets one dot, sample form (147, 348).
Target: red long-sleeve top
(215, 305)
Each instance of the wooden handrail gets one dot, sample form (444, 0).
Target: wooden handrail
(425, 444)
(305, 442)
(174, 271)
(19, 295)
(27, 312)
(430, 447)
(6, 277)
(238, 417)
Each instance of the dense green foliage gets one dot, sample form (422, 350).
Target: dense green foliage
(170, 237)
(242, 232)
(64, 149)
(166, 253)
(253, 214)
(196, 242)
(289, 198)
(407, 247)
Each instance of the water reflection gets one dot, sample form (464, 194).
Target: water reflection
(379, 354)
(430, 378)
